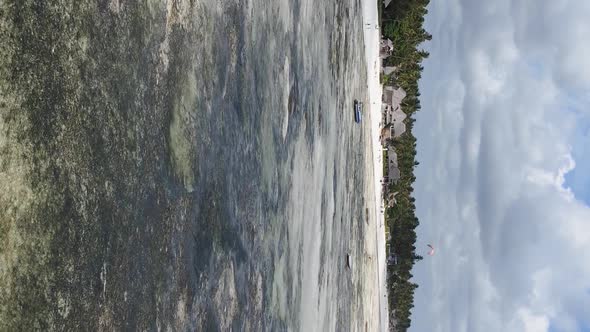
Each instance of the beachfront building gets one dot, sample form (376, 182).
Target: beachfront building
(391, 131)
(398, 129)
(385, 135)
(394, 127)
(387, 112)
(391, 175)
(388, 70)
(397, 118)
(386, 48)
(393, 95)
(393, 116)
(392, 158)
(386, 3)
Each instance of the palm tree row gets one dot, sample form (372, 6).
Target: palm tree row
(402, 23)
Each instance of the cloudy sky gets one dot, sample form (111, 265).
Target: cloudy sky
(503, 188)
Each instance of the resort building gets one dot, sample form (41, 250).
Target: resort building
(392, 173)
(393, 96)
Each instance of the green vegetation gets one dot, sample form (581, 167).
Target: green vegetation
(402, 22)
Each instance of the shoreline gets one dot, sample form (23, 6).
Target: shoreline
(371, 39)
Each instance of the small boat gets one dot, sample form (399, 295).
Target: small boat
(348, 261)
(358, 111)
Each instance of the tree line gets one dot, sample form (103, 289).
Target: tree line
(402, 23)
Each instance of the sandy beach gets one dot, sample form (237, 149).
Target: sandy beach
(377, 245)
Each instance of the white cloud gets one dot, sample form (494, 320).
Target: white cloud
(532, 322)
(495, 143)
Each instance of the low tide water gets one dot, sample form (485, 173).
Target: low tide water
(182, 165)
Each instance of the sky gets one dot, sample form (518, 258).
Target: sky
(503, 185)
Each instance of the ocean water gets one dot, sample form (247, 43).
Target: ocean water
(182, 165)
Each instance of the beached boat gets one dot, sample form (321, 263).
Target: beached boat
(358, 110)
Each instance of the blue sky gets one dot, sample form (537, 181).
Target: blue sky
(503, 186)
(579, 178)
(582, 329)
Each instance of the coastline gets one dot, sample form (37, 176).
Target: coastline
(371, 39)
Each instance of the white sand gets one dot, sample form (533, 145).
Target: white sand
(372, 37)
